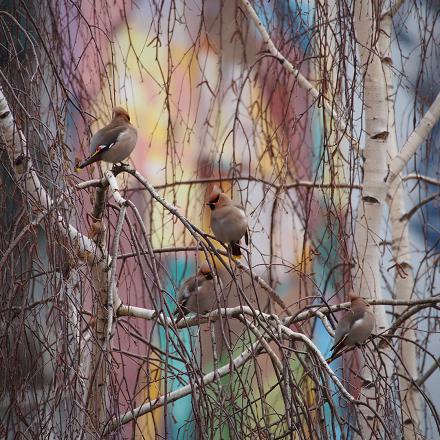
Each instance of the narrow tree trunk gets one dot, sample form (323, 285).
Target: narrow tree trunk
(98, 384)
(370, 228)
(98, 399)
(404, 278)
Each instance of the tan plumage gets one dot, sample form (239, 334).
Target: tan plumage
(355, 327)
(197, 293)
(114, 142)
(228, 220)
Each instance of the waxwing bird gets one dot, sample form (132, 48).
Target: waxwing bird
(355, 326)
(228, 220)
(114, 142)
(197, 293)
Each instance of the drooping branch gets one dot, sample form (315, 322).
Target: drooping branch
(203, 239)
(20, 158)
(236, 363)
(248, 354)
(302, 80)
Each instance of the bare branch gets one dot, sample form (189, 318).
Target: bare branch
(304, 83)
(416, 138)
(21, 161)
(392, 11)
(407, 216)
(234, 365)
(426, 179)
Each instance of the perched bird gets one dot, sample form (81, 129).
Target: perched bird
(228, 220)
(355, 326)
(114, 142)
(197, 293)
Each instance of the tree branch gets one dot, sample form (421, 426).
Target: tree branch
(236, 363)
(303, 82)
(407, 216)
(392, 11)
(21, 161)
(426, 179)
(416, 138)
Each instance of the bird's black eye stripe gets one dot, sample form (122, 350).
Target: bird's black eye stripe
(216, 199)
(209, 276)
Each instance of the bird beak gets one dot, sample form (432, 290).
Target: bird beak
(211, 205)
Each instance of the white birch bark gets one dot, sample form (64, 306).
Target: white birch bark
(417, 137)
(404, 278)
(40, 201)
(87, 250)
(107, 302)
(370, 227)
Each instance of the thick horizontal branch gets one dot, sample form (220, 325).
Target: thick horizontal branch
(321, 311)
(148, 314)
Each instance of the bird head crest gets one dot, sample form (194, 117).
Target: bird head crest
(352, 296)
(214, 196)
(204, 269)
(119, 112)
(357, 301)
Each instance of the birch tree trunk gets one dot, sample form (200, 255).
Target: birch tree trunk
(404, 278)
(370, 226)
(96, 399)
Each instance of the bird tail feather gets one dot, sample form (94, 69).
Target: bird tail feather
(94, 157)
(178, 314)
(235, 249)
(88, 161)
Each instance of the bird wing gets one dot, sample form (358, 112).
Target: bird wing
(361, 328)
(342, 330)
(105, 138)
(188, 288)
(246, 234)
